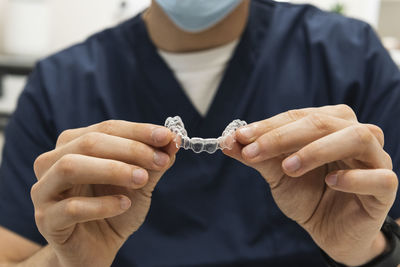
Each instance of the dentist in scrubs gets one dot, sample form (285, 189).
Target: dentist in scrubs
(90, 177)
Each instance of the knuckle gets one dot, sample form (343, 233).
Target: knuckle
(72, 208)
(114, 165)
(363, 134)
(34, 191)
(39, 216)
(39, 163)
(388, 160)
(142, 150)
(88, 142)
(347, 111)
(276, 138)
(64, 137)
(377, 132)
(295, 114)
(117, 169)
(390, 181)
(135, 148)
(320, 122)
(66, 166)
(107, 127)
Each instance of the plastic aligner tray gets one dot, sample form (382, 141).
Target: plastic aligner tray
(198, 145)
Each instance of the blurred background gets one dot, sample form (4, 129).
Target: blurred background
(32, 29)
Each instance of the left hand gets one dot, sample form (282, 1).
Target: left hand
(329, 173)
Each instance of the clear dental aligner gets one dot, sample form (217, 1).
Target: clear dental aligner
(198, 145)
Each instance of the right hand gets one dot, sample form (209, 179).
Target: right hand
(94, 189)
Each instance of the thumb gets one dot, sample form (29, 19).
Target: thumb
(235, 152)
(270, 170)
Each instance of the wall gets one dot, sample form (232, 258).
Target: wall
(2, 15)
(72, 21)
(389, 22)
(367, 10)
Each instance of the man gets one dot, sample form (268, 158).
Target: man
(308, 177)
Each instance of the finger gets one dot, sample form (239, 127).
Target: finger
(355, 142)
(293, 136)
(108, 147)
(71, 211)
(75, 169)
(381, 183)
(172, 147)
(235, 152)
(377, 132)
(251, 132)
(153, 135)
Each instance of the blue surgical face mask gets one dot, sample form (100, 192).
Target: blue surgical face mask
(197, 15)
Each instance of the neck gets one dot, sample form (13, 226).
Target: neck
(168, 37)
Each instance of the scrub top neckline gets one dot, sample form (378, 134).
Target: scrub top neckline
(233, 92)
(202, 59)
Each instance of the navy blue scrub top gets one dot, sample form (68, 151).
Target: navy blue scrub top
(208, 210)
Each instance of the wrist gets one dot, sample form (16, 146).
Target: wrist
(378, 246)
(390, 247)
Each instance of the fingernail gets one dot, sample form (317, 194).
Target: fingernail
(139, 176)
(159, 134)
(252, 150)
(292, 164)
(332, 179)
(124, 203)
(247, 132)
(160, 159)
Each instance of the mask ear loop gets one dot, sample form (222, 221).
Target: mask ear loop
(198, 145)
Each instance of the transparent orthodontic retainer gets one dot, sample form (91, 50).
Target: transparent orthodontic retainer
(198, 145)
